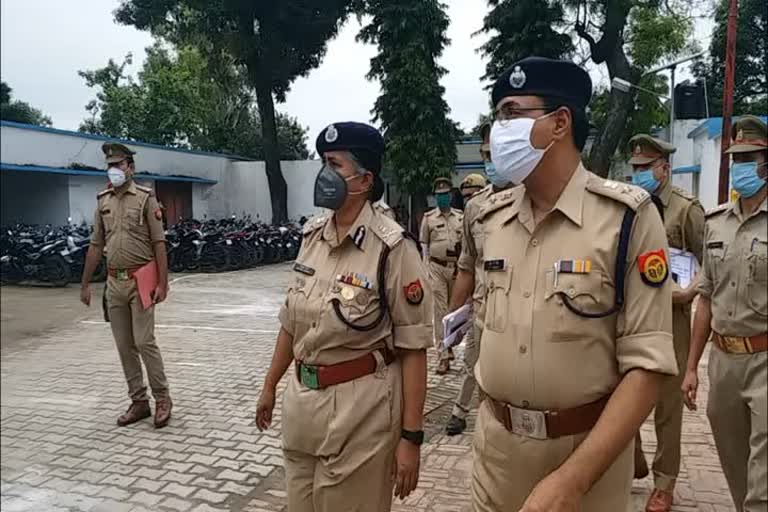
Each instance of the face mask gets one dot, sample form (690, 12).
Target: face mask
(744, 179)
(493, 177)
(511, 151)
(116, 176)
(443, 200)
(331, 188)
(646, 180)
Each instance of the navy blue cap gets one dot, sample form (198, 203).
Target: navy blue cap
(539, 76)
(362, 140)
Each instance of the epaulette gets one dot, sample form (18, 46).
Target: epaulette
(314, 224)
(389, 231)
(717, 209)
(105, 192)
(500, 200)
(683, 193)
(413, 238)
(430, 213)
(146, 190)
(457, 211)
(629, 195)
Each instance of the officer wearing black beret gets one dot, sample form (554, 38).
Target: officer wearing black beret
(577, 316)
(357, 323)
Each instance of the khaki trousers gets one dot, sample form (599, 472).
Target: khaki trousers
(506, 468)
(339, 443)
(737, 413)
(134, 331)
(468, 382)
(442, 279)
(668, 414)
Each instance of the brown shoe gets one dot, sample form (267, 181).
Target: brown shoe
(660, 501)
(138, 410)
(163, 408)
(443, 367)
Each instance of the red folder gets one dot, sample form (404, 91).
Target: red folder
(146, 282)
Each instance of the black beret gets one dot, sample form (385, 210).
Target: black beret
(538, 76)
(362, 140)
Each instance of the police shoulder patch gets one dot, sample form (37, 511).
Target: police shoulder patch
(629, 195)
(414, 292)
(105, 192)
(389, 231)
(653, 267)
(146, 190)
(158, 214)
(499, 201)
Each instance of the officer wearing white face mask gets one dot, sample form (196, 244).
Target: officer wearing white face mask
(577, 315)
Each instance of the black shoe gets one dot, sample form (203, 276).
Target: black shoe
(455, 426)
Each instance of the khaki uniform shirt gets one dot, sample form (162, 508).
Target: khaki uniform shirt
(128, 223)
(440, 234)
(535, 352)
(735, 272)
(384, 208)
(319, 336)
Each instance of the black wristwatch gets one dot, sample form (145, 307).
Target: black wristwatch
(416, 437)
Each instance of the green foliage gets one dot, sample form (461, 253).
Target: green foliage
(19, 111)
(655, 35)
(521, 28)
(181, 99)
(410, 35)
(750, 95)
(276, 41)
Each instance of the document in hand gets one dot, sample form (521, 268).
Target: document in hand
(683, 266)
(146, 282)
(455, 325)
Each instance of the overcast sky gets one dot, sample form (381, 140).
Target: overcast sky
(43, 43)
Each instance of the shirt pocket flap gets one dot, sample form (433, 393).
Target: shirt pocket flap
(588, 289)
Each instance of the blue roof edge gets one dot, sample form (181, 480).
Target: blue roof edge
(102, 174)
(91, 136)
(714, 127)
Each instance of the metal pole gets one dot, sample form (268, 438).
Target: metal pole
(730, 71)
(671, 109)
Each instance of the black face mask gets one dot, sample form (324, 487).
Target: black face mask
(330, 188)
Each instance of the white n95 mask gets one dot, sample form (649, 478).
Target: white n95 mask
(116, 176)
(512, 153)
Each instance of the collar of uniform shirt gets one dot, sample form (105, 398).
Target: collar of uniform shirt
(570, 203)
(363, 219)
(735, 209)
(665, 192)
(130, 189)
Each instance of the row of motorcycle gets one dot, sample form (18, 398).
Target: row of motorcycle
(55, 255)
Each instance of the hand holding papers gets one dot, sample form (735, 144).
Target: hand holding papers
(683, 266)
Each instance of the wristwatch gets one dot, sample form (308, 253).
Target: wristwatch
(414, 436)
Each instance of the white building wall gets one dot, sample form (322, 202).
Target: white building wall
(27, 198)
(710, 172)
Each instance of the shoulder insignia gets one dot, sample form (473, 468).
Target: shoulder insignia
(389, 231)
(500, 200)
(414, 292)
(146, 190)
(629, 195)
(718, 209)
(653, 267)
(104, 192)
(683, 193)
(314, 223)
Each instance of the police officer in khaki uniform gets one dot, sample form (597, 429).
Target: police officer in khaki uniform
(440, 236)
(577, 316)
(684, 222)
(128, 221)
(357, 323)
(733, 308)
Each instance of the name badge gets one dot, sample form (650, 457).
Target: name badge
(493, 265)
(714, 245)
(298, 267)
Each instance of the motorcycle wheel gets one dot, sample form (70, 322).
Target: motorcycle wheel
(9, 275)
(55, 270)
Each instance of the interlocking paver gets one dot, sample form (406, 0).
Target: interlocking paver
(62, 390)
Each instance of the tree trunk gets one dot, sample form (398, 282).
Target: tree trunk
(619, 105)
(278, 190)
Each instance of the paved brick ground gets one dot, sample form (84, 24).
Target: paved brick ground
(61, 391)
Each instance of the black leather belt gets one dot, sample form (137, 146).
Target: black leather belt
(442, 263)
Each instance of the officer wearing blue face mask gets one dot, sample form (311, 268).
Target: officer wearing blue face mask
(684, 222)
(733, 308)
(440, 236)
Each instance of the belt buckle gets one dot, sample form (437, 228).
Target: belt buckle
(528, 423)
(122, 274)
(735, 344)
(308, 376)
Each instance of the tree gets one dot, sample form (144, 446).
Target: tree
(410, 35)
(750, 94)
(275, 41)
(522, 28)
(628, 36)
(19, 111)
(182, 99)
